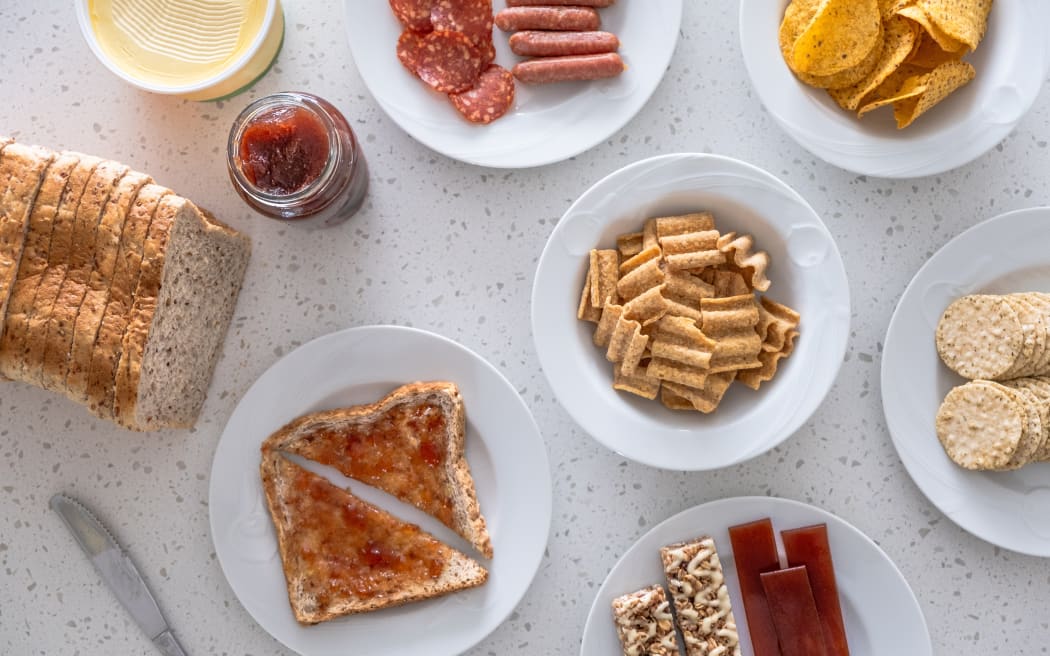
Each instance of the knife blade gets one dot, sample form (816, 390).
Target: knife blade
(117, 572)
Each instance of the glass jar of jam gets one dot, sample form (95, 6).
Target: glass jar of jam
(292, 156)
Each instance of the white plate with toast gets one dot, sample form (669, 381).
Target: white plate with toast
(1008, 508)
(507, 457)
(548, 123)
(1011, 63)
(872, 591)
(806, 273)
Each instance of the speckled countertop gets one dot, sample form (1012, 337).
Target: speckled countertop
(453, 248)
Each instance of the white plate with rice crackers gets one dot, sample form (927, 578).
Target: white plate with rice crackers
(896, 88)
(755, 575)
(684, 295)
(966, 380)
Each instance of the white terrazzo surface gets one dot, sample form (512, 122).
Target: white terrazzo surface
(453, 248)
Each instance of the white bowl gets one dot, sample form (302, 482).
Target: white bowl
(236, 77)
(806, 272)
(1012, 61)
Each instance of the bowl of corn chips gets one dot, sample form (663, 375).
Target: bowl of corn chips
(896, 88)
(690, 311)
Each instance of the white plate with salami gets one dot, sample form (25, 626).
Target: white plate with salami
(508, 461)
(872, 592)
(805, 271)
(1006, 508)
(544, 123)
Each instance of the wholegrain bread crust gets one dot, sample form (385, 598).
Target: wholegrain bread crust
(459, 573)
(458, 484)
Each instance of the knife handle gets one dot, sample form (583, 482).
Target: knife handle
(168, 645)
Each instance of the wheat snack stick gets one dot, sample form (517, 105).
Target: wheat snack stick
(731, 323)
(701, 600)
(586, 311)
(741, 259)
(60, 328)
(679, 340)
(640, 279)
(672, 371)
(60, 250)
(707, 397)
(695, 250)
(604, 273)
(649, 237)
(22, 171)
(647, 308)
(775, 322)
(980, 426)
(627, 344)
(93, 306)
(770, 360)
(979, 337)
(107, 350)
(639, 259)
(611, 315)
(674, 402)
(33, 266)
(644, 623)
(669, 226)
(637, 383)
(629, 245)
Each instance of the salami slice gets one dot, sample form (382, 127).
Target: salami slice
(413, 14)
(449, 62)
(488, 53)
(489, 99)
(410, 50)
(471, 17)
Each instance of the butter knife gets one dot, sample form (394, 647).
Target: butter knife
(117, 571)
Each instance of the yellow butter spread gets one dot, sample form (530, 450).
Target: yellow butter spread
(175, 42)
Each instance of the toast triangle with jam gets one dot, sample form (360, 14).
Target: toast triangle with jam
(409, 444)
(342, 555)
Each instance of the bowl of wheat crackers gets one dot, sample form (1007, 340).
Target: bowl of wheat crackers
(690, 311)
(896, 88)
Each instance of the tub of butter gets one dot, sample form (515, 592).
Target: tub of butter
(196, 49)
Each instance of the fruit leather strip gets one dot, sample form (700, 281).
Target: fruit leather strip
(755, 552)
(794, 612)
(808, 546)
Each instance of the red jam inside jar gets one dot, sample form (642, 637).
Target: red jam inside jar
(293, 156)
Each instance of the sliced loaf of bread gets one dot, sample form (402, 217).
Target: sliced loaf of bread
(191, 273)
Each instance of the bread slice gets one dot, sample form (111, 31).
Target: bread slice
(89, 317)
(60, 248)
(81, 260)
(409, 444)
(342, 555)
(21, 174)
(106, 353)
(192, 270)
(33, 265)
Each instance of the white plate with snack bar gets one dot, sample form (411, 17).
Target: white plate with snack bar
(695, 306)
(876, 611)
(1005, 72)
(507, 459)
(546, 123)
(1002, 502)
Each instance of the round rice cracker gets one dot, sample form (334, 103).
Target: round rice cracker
(1041, 303)
(981, 426)
(1040, 390)
(1034, 347)
(1033, 438)
(979, 336)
